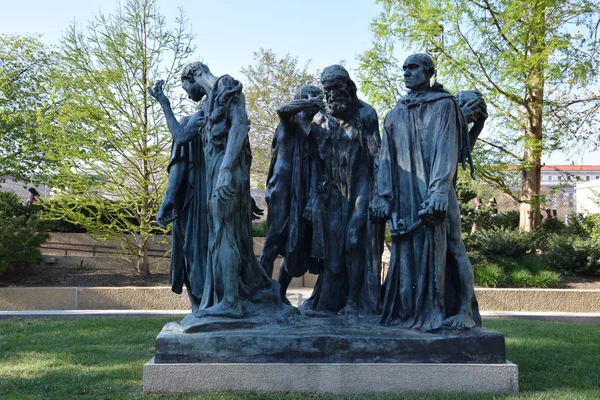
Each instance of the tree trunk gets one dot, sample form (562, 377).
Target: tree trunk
(532, 158)
(143, 263)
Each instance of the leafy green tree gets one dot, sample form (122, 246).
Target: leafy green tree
(107, 133)
(534, 61)
(272, 81)
(25, 66)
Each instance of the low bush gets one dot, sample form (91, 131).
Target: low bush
(527, 271)
(259, 229)
(489, 275)
(574, 254)
(21, 233)
(501, 242)
(485, 220)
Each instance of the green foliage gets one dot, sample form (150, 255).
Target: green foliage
(534, 62)
(485, 220)
(545, 279)
(21, 233)
(527, 271)
(590, 226)
(25, 66)
(260, 229)
(106, 132)
(501, 242)
(464, 192)
(272, 81)
(488, 275)
(573, 254)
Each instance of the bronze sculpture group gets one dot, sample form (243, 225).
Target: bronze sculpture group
(333, 183)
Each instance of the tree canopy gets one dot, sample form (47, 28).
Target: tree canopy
(25, 67)
(107, 134)
(272, 81)
(535, 62)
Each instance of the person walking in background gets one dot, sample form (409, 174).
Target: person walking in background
(33, 195)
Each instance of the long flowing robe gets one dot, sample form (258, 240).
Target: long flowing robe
(419, 155)
(290, 179)
(349, 152)
(190, 231)
(230, 247)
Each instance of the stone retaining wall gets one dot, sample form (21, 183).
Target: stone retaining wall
(161, 298)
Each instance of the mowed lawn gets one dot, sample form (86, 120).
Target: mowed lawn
(102, 358)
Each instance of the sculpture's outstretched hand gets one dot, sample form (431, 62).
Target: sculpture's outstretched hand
(158, 93)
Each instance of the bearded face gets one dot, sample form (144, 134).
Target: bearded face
(338, 96)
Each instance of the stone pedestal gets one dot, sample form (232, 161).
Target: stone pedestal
(324, 355)
(340, 378)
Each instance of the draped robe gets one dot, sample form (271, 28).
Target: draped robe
(419, 155)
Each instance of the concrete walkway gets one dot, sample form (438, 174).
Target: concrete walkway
(586, 318)
(296, 297)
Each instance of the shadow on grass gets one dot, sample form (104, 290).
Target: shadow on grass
(103, 358)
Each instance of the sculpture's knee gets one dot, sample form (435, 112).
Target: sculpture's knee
(352, 239)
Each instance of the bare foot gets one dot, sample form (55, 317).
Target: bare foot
(460, 322)
(348, 311)
(223, 309)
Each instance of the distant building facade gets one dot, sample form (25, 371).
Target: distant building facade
(588, 195)
(558, 183)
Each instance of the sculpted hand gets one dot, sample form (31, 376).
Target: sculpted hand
(380, 210)
(224, 190)
(257, 212)
(317, 102)
(158, 93)
(166, 214)
(433, 210)
(307, 214)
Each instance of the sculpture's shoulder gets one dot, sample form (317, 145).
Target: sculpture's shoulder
(367, 113)
(442, 99)
(228, 88)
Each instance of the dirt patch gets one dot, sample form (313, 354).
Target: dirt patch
(86, 272)
(581, 282)
(113, 271)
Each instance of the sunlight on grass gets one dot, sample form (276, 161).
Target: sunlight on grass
(103, 358)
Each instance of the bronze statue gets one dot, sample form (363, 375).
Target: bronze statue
(348, 144)
(218, 232)
(292, 177)
(430, 279)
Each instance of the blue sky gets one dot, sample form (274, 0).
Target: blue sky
(229, 31)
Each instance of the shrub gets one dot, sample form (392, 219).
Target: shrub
(20, 236)
(501, 242)
(526, 271)
(574, 254)
(260, 229)
(484, 220)
(489, 275)
(520, 278)
(545, 279)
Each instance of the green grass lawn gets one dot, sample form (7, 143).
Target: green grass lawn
(102, 358)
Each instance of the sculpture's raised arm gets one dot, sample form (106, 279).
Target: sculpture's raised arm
(181, 133)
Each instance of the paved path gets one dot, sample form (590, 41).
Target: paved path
(296, 297)
(586, 318)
